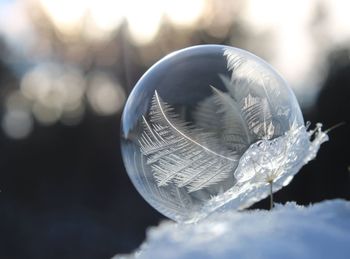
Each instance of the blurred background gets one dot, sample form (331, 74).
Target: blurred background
(66, 69)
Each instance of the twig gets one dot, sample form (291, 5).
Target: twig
(271, 195)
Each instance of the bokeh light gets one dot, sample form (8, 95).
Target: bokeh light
(17, 124)
(54, 90)
(17, 121)
(65, 43)
(104, 94)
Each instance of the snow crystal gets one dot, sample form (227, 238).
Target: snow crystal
(288, 231)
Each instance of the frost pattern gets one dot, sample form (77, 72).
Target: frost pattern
(269, 161)
(247, 148)
(181, 154)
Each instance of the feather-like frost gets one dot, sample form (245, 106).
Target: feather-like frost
(235, 129)
(180, 154)
(170, 200)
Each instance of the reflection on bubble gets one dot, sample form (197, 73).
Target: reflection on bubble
(17, 124)
(105, 96)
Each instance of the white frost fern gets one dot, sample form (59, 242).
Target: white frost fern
(170, 200)
(190, 157)
(235, 131)
(258, 115)
(181, 154)
(244, 120)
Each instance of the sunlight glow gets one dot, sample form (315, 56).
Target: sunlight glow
(338, 22)
(99, 18)
(106, 14)
(183, 12)
(66, 15)
(144, 18)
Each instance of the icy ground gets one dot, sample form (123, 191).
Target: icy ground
(289, 231)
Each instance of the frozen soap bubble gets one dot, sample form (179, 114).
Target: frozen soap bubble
(212, 127)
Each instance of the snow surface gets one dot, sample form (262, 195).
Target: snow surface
(288, 231)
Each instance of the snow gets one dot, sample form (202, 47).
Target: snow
(317, 231)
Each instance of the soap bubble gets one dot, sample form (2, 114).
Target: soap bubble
(212, 127)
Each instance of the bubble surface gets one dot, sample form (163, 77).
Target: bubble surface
(205, 128)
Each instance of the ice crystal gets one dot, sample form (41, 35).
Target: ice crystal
(213, 127)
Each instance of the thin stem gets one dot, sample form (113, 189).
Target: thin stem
(335, 126)
(271, 195)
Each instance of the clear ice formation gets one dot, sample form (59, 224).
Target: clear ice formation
(209, 128)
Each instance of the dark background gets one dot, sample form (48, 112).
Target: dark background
(64, 189)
